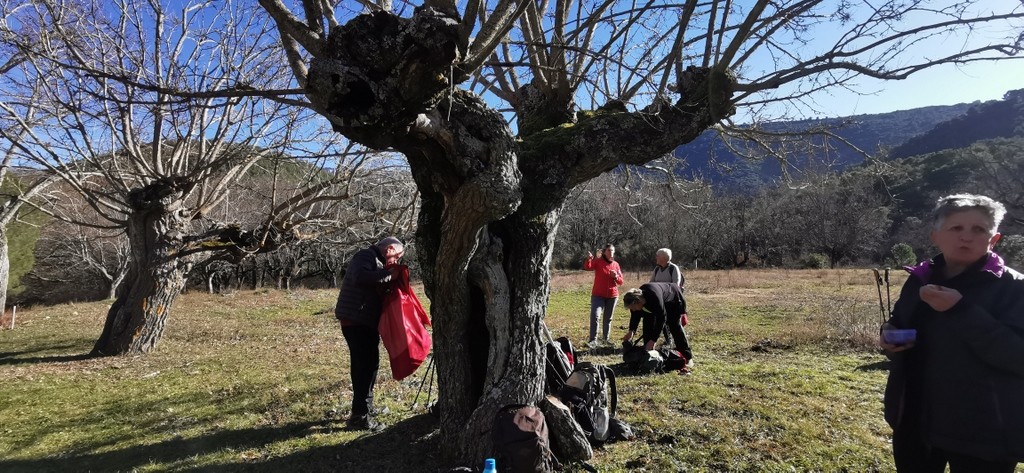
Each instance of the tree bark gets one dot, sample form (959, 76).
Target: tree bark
(135, 321)
(5, 269)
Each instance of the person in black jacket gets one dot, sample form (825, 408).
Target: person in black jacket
(656, 303)
(955, 394)
(358, 310)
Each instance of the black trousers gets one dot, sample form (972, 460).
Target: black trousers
(364, 355)
(671, 321)
(674, 323)
(913, 455)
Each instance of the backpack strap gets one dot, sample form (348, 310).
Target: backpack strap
(610, 376)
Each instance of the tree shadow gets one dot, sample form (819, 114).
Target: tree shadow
(409, 445)
(412, 444)
(16, 357)
(876, 366)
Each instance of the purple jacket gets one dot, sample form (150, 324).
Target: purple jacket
(964, 378)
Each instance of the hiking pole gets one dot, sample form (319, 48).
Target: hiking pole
(878, 286)
(426, 374)
(888, 297)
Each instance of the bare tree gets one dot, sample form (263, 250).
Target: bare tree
(590, 85)
(18, 184)
(152, 113)
(70, 253)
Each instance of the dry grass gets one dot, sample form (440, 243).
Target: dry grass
(786, 381)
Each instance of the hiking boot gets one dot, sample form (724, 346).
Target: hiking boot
(685, 371)
(363, 422)
(689, 364)
(592, 343)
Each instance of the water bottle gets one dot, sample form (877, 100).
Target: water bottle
(489, 466)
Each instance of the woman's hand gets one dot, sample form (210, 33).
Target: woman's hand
(890, 348)
(629, 336)
(940, 298)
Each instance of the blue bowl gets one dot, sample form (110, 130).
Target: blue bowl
(899, 336)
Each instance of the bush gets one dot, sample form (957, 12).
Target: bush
(815, 261)
(903, 255)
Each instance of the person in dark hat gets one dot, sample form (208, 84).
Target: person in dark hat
(358, 310)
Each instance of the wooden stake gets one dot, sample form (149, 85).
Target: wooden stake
(14, 312)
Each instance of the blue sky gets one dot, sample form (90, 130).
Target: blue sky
(943, 85)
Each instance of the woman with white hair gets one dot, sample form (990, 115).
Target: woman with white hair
(955, 389)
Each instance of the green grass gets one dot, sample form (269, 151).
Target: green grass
(258, 381)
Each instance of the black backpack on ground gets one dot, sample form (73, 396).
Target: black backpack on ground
(592, 398)
(674, 360)
(642, 361)
(520, 438)
(559, 360)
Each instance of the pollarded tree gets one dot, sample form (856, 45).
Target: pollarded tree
(133, 127)
(590, 86)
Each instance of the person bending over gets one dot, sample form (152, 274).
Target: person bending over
(655, 303)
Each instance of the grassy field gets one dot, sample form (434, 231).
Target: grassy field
(786, 379)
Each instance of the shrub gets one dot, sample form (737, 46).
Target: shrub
(903, 255)
(815, 261)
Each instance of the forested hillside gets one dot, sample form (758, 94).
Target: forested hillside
(851, 213)
(711, 158)
(996, 119)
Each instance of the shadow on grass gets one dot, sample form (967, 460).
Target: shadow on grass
(405, 446)
(409, 445)
(14, 357)
(876, 366)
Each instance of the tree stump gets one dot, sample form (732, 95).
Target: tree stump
(568, 442)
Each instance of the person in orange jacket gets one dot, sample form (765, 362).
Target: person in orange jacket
(604, 295)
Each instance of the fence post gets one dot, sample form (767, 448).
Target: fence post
(14, 312)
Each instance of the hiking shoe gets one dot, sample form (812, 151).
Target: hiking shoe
(363, 422)
(592, 343)
(685, 371)
(689, 364)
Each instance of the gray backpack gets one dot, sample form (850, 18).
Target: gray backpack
(592, 398)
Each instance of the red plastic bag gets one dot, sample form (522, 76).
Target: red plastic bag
(402, 326)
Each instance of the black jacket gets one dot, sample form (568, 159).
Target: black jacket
(963, 381)
(366, 281)
(658, 296)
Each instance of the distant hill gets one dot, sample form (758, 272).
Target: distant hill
(709, 157)
(996, 119)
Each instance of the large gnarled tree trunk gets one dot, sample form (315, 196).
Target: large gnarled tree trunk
(491, 202)
(156, 228)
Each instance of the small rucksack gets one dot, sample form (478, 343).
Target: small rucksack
(592, 397)
(520, 438)
(641, 361)
(673, 359)
(559, 359)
